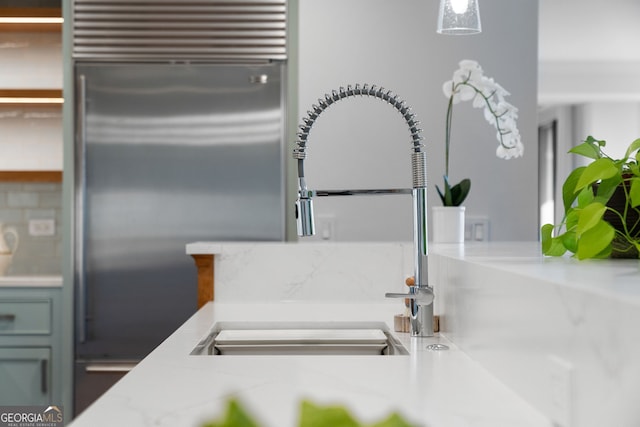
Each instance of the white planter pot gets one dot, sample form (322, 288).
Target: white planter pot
(447, 224)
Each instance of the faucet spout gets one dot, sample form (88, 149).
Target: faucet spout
(421, 295)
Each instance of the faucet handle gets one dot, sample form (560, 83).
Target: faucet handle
(422, 295)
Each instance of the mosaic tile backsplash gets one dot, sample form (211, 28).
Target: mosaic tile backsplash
(22, 202)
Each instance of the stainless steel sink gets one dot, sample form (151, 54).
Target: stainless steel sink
(299, 338)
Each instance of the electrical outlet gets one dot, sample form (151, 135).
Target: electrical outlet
(325, 226)
(560, 392)
(42, 227)
(476, 229)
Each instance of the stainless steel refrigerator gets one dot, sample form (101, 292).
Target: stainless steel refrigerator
(166, 154)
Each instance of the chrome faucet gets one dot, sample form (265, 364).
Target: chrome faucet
(420, 295)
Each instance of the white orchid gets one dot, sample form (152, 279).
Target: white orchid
(470, 84)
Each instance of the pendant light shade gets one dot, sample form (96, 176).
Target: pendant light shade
(459, 17)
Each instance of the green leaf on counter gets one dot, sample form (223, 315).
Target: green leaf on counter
(235, 416)
(394, 420)
(312, 415)
(323, 416)
(551, 245)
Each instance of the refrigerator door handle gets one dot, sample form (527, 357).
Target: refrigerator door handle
(80, 185)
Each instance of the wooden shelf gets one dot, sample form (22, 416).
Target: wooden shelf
(36, 13)
(30, 97)
(30, 176)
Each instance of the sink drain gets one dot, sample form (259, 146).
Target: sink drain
(437, 347)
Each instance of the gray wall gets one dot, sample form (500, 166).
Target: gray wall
(363, 143)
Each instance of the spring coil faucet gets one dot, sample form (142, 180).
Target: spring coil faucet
(420, 295)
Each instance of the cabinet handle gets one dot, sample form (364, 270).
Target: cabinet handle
(7, 317)
(44, 383)
(109, 368)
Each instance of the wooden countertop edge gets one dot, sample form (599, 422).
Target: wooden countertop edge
(31, 176)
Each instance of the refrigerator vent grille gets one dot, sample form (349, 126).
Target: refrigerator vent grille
(179, 29)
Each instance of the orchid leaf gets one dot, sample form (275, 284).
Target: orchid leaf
(460, 191)
(595, 241)
(454, 196)
(597, 170)
(442, 198)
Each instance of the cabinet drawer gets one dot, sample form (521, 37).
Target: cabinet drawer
(25, 316)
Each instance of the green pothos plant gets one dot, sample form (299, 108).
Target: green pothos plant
(587, 230)
(311, 415)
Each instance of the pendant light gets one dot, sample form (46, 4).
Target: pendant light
(459, 17)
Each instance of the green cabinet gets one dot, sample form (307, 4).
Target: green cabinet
(25, 316)
(25, 376)
(31, 366)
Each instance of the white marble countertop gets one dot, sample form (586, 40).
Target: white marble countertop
(535, 341)
(430, 388)
(30, 281)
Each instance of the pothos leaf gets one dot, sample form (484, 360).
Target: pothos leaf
(607, 187)
(312, 415)
(634, 192)
(635, 145)
(316, 416)
(585, 197)
(394, 420)
(569, 187)
(597, 170)
(589, 217)
(551, 246)
(235, 416)
(570, 241)
(545, 237)
(590, 148)
(595, 241)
